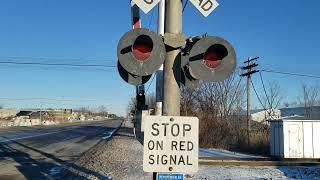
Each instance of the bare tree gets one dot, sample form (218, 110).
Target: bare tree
(273, 98)
(132, 105)
(218, 106)
(309, 98)
(187, 101)
(151, 100)
(84, 109)
(102, 110)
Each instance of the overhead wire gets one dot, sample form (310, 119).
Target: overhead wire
(150, 83)
(257, 95)
(235, 92)
(185, 5)
(51, 99)
(57, 64)
(265, 91)
(290, 73)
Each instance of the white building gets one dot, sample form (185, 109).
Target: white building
(295, 138)
(261, 115)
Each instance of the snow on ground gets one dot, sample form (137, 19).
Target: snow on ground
(224, 153)
(246, 172)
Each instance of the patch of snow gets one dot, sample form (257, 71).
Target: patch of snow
(224, 153)
(246, 172)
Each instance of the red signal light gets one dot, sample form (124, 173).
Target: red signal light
(214, 55)
(142, 48)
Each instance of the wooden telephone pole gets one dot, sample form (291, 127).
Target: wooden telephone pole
(250, 64)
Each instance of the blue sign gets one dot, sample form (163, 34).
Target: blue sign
(162, 176)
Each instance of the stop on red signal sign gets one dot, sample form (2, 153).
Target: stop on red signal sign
(171, 144)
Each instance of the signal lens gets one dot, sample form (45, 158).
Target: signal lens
(214, 55)
(142, 48)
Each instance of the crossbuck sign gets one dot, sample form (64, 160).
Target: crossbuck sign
(205, 6)
(146, 5)
(171, 144)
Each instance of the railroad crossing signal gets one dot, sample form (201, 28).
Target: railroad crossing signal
(205, 58)
(140, 53)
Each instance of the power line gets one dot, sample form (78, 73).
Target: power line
(235, 92)
(51, 99)
(150, 83)
(292, 74)
(57, 64)
(52, 58)
(257, 96)
(185, 5)
(264, 89)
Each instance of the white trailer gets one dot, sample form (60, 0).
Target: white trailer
(295, 138)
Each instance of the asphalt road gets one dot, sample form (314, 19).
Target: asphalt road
(42, 152)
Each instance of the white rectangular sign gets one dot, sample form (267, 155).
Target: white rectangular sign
(146, 5)
(205, 6)
(171, 144)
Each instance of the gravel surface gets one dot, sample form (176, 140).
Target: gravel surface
(118, 158)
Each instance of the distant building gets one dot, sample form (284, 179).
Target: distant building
(309, 112)
(24, 113)
(6, 113)
(261, 115)
(36, 115)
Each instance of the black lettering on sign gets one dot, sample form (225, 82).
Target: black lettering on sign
(190, 146)
(188, 163)
(176, 132)
(207, 5)
(156, 129)
(173, 159)
(181, 160)
(174, 144)
(151, 160)
(182, 145)
(186, 127)
(158, 145)
(165, 128)
(164, 159)
(151, 145)
(148, 1)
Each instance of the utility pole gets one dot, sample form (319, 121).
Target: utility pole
(159, 73)
(250, 63)
(172, 64)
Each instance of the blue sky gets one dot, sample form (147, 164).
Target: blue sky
(284, 33)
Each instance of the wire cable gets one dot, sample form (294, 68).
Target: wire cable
(185, 5)
(257, 95)
(14, 58)
(292, 74)
(265, 91)
(235, 92)
(57, 64)
(150, 83)
(51, 99)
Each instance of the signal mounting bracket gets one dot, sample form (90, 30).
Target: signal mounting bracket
(174, 40)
